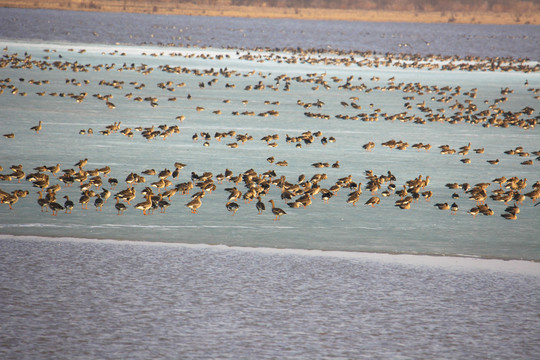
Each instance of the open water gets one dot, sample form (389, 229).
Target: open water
(96, 285)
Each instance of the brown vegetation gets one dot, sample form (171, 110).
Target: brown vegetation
(427, 11)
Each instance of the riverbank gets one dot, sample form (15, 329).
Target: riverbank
(169, 8)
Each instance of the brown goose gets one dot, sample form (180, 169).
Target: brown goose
(98, 203)
(81, 163)
(195, 203)
(353, 198)
(373, 201)
(68, 205)
(260, 205)
(145, 205)
(37, 128)
(10, 199)
(44, 203)
(163, 204)
(84, 200)
(232, 207)
(55, 207)
(509, 216)
(474, 211)
(119, 206)
(277, 211)
(442, 206)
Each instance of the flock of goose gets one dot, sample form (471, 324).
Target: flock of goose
(50, 180)
(441, 99)
(301, 192)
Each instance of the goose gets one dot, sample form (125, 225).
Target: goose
(54, 169)
(260, 206)
(427, 194)
(105, 194)
(129, 195)
(159, 184)
(145, 205)
(442, 206)
(163, 204)
(277, 211)
(37, 128)
(295, 204)
(130, 179)
(326, 195)
(373, 201)
(164, 174)
(68, 205)
(18, 174)
(98, 203)
(509, 216)
(513, 209)
(353, 198)
(195, 204)
(44, 203)
(474, 211)
(149, 172)
(113, 182)
(533, 195)
(305, 200)
(105, 170)
(170, 193)
(485, 210)
(500, 180)
(55, 207)
(232, 207)
(81, 163)
(119, 206)
(235, 194)
(402, 193)
(10, 199)
(84, 199)
(404, 204)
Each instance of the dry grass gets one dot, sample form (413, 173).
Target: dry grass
(173, 8)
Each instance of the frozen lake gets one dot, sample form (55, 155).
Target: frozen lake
(331, 280)
(387, 107)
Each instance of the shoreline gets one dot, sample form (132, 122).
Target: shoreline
(354, 15)
(461, 261)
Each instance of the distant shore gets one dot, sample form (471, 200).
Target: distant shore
(170, 8)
